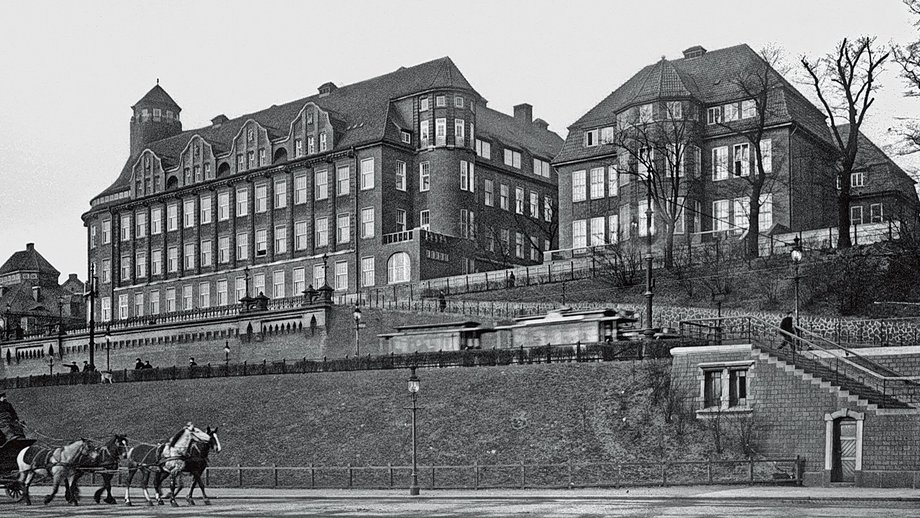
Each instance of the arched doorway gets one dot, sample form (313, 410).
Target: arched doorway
(843, 445)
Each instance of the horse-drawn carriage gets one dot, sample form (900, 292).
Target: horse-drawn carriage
(9, 470)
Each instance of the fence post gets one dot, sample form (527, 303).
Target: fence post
(312, 476)
(578, 351)
(432, 477)
(751, 468)
(275, 472)
(523, 477)
(390, 471)
(239, 475)
(351, 476)
(799, 468)
(475, 475)
(664, 473)
(569, 468)
(709, 468)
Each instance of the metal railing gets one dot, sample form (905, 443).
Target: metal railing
(810, 350)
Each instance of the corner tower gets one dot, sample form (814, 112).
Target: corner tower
(155, 117)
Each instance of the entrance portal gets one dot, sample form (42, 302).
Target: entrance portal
(844, 469)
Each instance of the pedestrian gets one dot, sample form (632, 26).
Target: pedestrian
(787, 329)
(147, 365)
(138, 365)
(191, 361)
(442, 301)
(86, 366)
(10, 427)
(74, 367)
(511, 280)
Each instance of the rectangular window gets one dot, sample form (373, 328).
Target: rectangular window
(319, 275)
(321, 184)
(484, 149)
(172, 259)
(154, 302)
(503, 197)
(189, 256)
(206, 252)
(401, 225)
(424, 220)
(423, 134)
(261, 198)
(170, 300)
(204, 295)
(343, 228)
(126, 227)
(341, 275)
(489, 196)
(240, 162)
(458, 102)
(367, 222)
(311, 145)
(547, 209)
(204, 209)
(712, 389)
(613, 185)
(720, 163)
(106, 231)
(720, 215)
(741, 207)
(278, 284)
(367, 173)
(613, 229)
(467, 180)
(519, 200)
(300, 281)
(625, 221)
(519, 245)
(140, 224)
(875, 213)
(440, 131)
(578, 186)
(714, 115)
(92, 236)
(125, 268)
(300, 235)
(258, 283)
(737, 387)
(367, 271)
(263, 159)
(321, 237)
(187, 297)
(597, 183)
(300, 189)
(857, 179)
(766, 152)
(607, 135)
(513, 158)
(741, 160)
(156, 262)
(424, 177)
(459, 134)
(242, 247)
(188, 214)
(251, 159)
(467, 224)
(675, 110)
(222, 298)
(298, 147)
(440, 101)
(106, 309)
(748, 109)
(242, 202)
(645, 162)
(534, 204)
(123, 306)
(240, 288)
(400, 175)
(646, 113)
(579, 233)
(261, 242)
(765, 220)
(223, 249)
(280, 194)
(646, 225)
(597, 231)
(731, 112)
(140, 264)
(342, 181)
(405, 137)
(679, 225)
(223, 206)
(591, 138)
(280, 239)
(156, 221)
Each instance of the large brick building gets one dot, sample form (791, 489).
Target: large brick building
(602, 196)
(398, 178)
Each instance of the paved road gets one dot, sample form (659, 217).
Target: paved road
(851, 502)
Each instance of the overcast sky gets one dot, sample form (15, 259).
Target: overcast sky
(69, 71)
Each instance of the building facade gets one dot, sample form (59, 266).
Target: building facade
(704, 107)
(398, 178)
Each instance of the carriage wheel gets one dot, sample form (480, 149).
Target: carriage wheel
(14, 491)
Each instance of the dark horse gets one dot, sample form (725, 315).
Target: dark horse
(196, 462)
(105, 460)
(168, 459)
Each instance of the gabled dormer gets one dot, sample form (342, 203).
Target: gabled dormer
(312, 131)
(250, 148)
(147, 175)
(196, 162)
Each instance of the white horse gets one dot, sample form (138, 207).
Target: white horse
(164, 460)
(58, 463)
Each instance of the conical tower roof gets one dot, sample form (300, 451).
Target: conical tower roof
(157, 96)
(28, 260)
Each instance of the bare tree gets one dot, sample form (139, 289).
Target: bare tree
(845, 82)
(908, 57)
(657, 149)
(759, 84)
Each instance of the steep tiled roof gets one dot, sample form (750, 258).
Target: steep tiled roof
(157, 95)
(361, 107)
(710, 79)
(868, 155)
(28, 260)
(516, 133)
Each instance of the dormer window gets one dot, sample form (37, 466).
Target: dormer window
(197, 150)
(309, 117)
(157, 113)
(440, 101)
(147, 161)
(145, 114)
(458, 102)
(169, 115)
(250, 135)
(311, 145)
(298, 147)
(591, 138)
(207, 171)
(405, 136)
(322, 142)
(423, 104)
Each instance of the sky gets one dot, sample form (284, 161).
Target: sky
(72, 70)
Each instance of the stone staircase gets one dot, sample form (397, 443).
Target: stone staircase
(819, 374)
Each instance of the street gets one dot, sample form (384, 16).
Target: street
(640, 502)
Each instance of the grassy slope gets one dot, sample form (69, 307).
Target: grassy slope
(541, 413)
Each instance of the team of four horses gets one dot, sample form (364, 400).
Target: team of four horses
(186, 452)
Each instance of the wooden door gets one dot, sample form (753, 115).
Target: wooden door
(844, 450)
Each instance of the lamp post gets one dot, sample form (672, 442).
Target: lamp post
(414, 387)
(325, 277)
(797, 256)
(7, 328)
(648, 255)
(92, 317)
(227, 353)
(108, 347)
(357, 315)
(60, 314)
(246, 274)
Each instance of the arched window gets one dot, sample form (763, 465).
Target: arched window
(280, 156)
(223, 169)
(399, 268)
(172, 183)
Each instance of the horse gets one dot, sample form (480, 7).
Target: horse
(103, 458)
(168, 458)
(57, 463)
(197, 461)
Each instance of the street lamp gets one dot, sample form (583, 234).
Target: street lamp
(108, 346)
(414, 387)
(60, 314)
(357, 315)
(649, 214)
(227, 353)
(797, 256)
(92, 316)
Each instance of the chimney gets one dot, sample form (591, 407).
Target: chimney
(73, 277)
(36, 293)
(30, 247)
(327, 88)
(220, 119)
(694, 52)
(542, 124)
(523, 113)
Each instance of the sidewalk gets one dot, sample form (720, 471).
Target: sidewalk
(737, 493)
